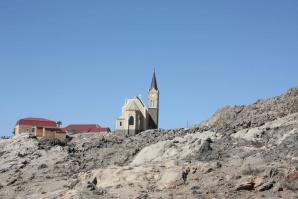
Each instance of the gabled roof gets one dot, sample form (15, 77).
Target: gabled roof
(86, 128)
(154, 82)
(132, 106)
(40, 122)
(140, 100)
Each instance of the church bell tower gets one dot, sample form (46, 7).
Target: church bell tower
(153, 107)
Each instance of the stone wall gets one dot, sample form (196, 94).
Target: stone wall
(39, 132)
(25, 129)
(50, 134)
(60, 135)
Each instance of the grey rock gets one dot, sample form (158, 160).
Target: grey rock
(265, 187)
(42, 166)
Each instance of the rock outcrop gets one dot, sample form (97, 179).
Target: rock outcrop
(240, 152)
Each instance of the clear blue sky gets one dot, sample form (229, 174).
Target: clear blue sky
(77, 61)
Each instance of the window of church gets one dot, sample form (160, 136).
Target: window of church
(131, 121)
(120, 123)
(152, 103)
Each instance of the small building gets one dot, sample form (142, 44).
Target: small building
(86, 128)
(136, 117)
(40, 127)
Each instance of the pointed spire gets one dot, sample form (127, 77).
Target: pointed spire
(154, 82)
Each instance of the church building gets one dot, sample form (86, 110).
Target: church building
(136, 117)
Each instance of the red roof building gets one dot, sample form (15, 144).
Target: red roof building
(86, 128)
(39, 122)
(40, 127)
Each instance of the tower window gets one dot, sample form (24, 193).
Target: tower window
(152, 103)
(131, 121)
(120, 123)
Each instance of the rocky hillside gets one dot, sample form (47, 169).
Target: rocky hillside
(240, 152)
(235, 118)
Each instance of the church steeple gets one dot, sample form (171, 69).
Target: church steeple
(154, 82)
(153, 106)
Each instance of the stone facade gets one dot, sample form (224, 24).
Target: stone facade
(25, 129)
(136, 117)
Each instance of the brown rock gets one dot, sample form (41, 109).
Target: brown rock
(258, 182)
(293, 176)
(246, 184)
(250, 183)
(265, 187)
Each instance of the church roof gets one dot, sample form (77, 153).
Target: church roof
(154, 82)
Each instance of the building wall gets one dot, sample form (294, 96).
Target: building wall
(139, 123)
(139, 114)
(60, 135)
(53, 134)
(25, 129)
(120, 124)
(153, 118)
(153, 109)
(153, 98)
(49, 134)
(39, 132)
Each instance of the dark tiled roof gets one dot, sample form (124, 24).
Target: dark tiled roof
(86, 128)
(37, 122)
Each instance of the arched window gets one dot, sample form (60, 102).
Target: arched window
(152, 103)
(131, 121)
